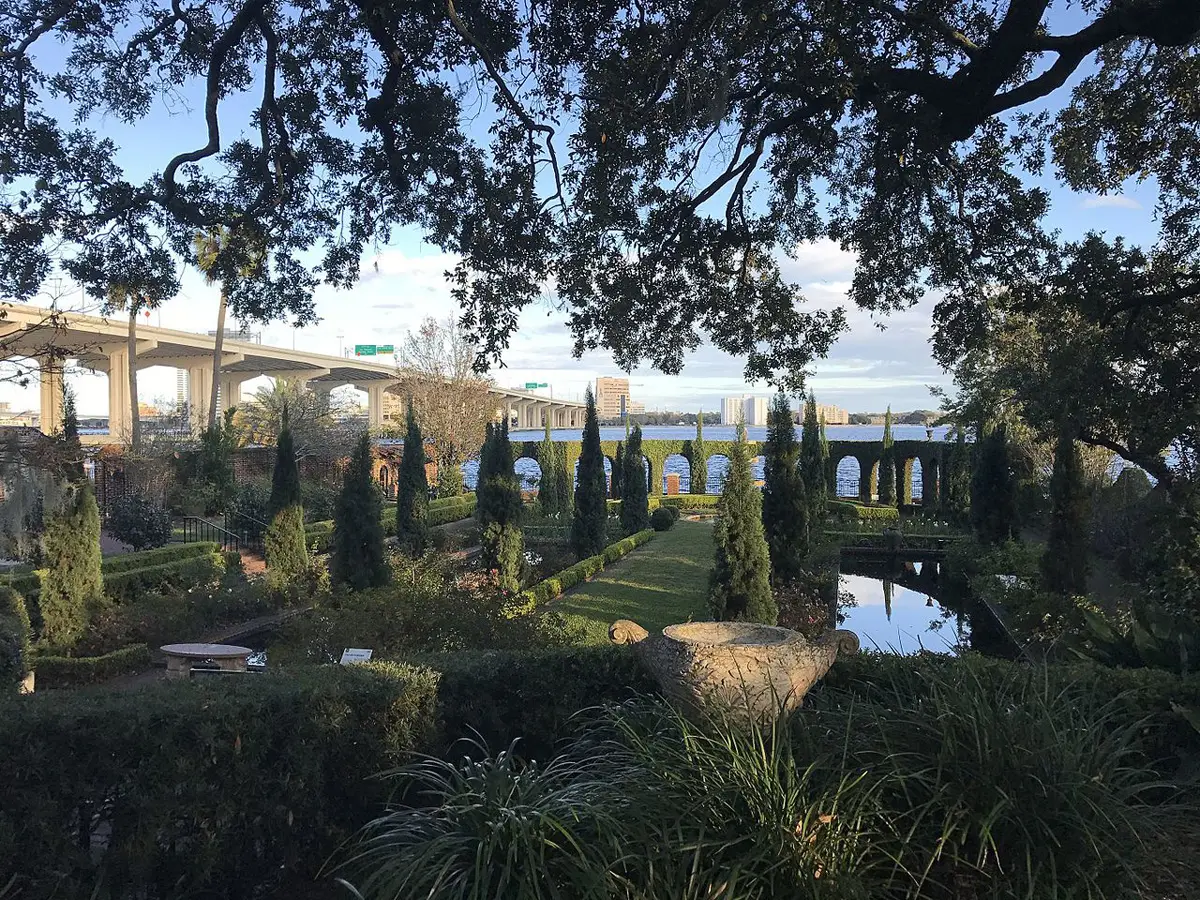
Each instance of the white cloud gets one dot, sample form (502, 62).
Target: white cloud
(819, 260)
(1100, 201)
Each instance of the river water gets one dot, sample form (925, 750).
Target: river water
(847, 475)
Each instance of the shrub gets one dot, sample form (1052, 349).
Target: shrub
(412, 490)
(498, 508)
(1065, 561)
(284, 545)
(662, 519)
(687, 501)
(72, 671)
(785, 504)
(138, 521)
(740, 583)
(845, 509)
(127, 585)
(115, 565)
(357, 559)
(201, 789)
(814, 464)
(72, 580)
(14, 639)
(250, 508)
(635, 513)
(590, 510)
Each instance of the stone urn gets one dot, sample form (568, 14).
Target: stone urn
(754, 671)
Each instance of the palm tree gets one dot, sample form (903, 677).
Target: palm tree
(210, 246)
(125, 298)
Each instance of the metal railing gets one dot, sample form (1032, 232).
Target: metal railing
(248, 529)
(196, 529)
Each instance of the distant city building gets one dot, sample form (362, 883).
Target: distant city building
(833, 415)
(23, 418)
(747, 409)
(610, 392)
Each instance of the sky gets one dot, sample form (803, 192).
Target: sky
(877, 362)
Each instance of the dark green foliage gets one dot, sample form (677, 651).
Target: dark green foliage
(1152, 637)
(412, 491)
(663, 518)
(1065, 559)
(73, 671)
(740, 584)
(127, 585)
(590, 513)
(1174, 576)
(618, 471)
(814, 464)
(1126, 521)
(548, 483)
(14, 640)
(846, 509)
(72, 449)
(699, 459)
(138, 521)
(994, 490)
(285, 550)
(223, 788)
(205, 482)
(635, 508)
(887, 464)
(73, 582)
(562, 480)
(357, 557)
(498, 508)
(785, 506)
(955, 495)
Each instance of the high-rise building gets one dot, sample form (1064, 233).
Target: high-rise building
(747, 409)
(833, 415)
(613, 398)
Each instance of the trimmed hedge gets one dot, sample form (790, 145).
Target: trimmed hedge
(127, 562)
(849, 510)
(125, 586)
(556, 584)
(225, 789)
(25, 584)
(244, 786)
(64, 671)
(678, 501)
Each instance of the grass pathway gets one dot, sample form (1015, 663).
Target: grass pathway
(659, 584)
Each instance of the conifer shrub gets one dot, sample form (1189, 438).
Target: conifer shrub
(548, 483)
(663, 518)
(698, 462)
(740, 584)
(14, 640)
(618, 471)
(562, 480)
(284, 542)
(785, 506)
(814, 463)
(590, 512)
(412, 491)
(955, 496)
(450, 478)
(73, 582)
(994, 513)
(1065, 560)
(357, 558)
(498, 508)
(635, 509)
(887, 464)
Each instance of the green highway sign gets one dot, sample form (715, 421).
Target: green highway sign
(364, 349)
(533, 385)
(385, 348)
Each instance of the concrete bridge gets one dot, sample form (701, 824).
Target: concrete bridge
(53, 338)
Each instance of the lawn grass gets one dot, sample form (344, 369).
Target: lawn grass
(659, 584)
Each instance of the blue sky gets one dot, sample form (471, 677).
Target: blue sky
(876, 363)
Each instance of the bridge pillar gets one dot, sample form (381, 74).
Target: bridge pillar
(118, 394)
(200, 378)
(230, 392)
(375, 405)
(51, 384)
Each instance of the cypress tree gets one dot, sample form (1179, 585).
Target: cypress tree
(73, 582)
(635, 502)
(785, 505)
(814, 462)
(887, 464)
(1065, 560)
(956, 489)
(590, 513)
(412, 491)
(740, 585)
(699, 460)
(286, 551)
(356, 558)
(618, 471)
(994, 490)
(548, 483)
(562, 480)
(498, 509)
(72, 448)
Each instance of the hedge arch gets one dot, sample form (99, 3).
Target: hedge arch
(715, 470)
(529, 471)
(847, 465)
(685, 473)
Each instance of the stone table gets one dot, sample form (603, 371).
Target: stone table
(180, 657)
